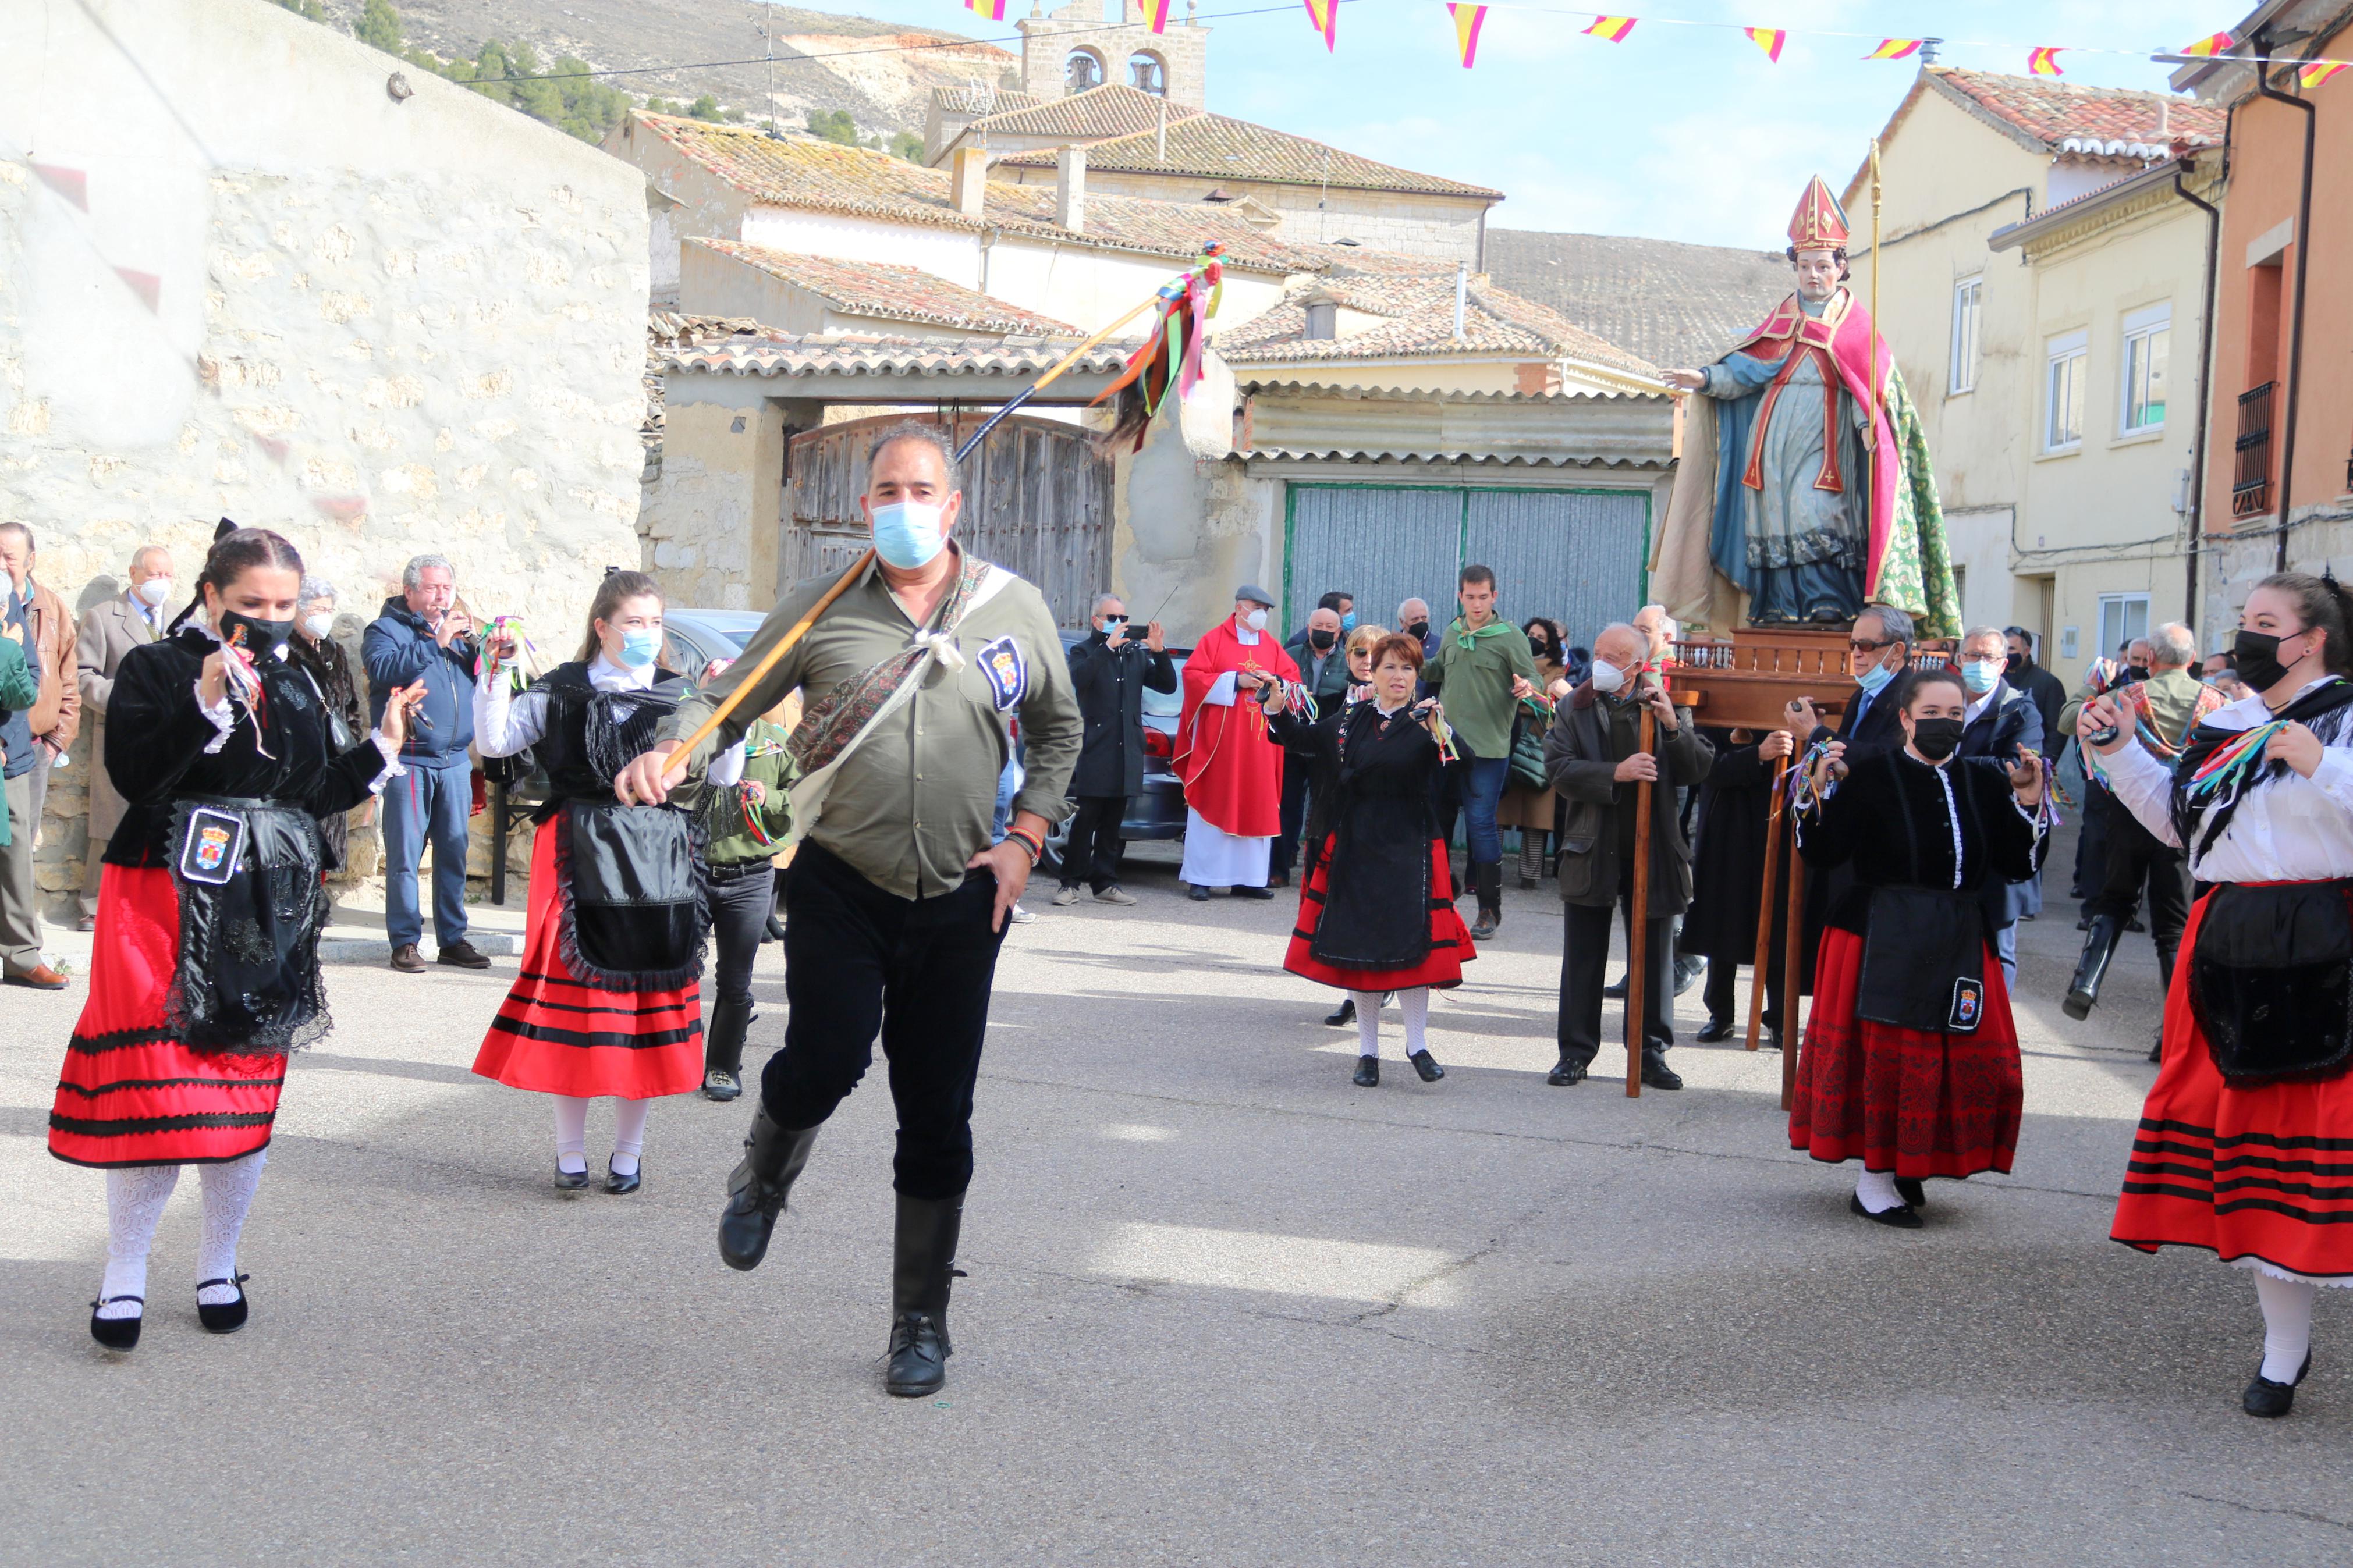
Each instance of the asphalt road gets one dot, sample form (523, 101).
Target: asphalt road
(1223, 1308)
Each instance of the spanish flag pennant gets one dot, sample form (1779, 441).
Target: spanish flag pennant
(1894, 48)
(2318, 71)
(1156, 13)
(2043, 62)
(2205, 48)
(988, 10)
(1770, 39)
(1467, 19)
(1325, 15)
(1613, 29)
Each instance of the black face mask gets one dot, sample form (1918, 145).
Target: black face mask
(1322, 641)
(1936, 738)
(2257, 657)
(2014, 663)
(2135, 672)
(261, 635)
(1418, 629)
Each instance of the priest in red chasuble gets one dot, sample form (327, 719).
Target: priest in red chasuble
(1231, 767)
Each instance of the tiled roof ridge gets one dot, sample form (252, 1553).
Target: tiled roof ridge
(2025, 104)
(1139, 152)
(890, 289)
(1419, 322)
(1127, 111)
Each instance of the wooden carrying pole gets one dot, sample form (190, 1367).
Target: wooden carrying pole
(1765, 905)
(1637, 949)
(1792, 968)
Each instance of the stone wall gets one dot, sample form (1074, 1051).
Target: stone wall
(380, 324)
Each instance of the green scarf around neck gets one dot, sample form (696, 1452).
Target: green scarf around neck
(1468, 636)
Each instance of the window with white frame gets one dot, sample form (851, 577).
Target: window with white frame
(2149, 338)
(2122, 617)
(1967, 296)
(2068, 357)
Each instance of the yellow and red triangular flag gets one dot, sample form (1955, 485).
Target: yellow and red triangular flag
(1467, 20)
(989, 10)
(2318, 71)
(1325, 15)
(1770, 39)
(2205, 48)
(2043, 62)
(1613, 29)
(1894, 48)
(1156, 13)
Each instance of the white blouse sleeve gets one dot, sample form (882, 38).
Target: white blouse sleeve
(2334, 776)
(505, 723)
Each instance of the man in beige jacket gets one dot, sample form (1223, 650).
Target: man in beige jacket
(35, 738)
(110, 628)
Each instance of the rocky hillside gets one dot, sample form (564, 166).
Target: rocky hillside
(825, 61)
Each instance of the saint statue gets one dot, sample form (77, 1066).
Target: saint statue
(1804, 458)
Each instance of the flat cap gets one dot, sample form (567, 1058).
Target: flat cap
(1255, 595)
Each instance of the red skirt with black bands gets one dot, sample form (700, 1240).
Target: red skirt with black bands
(1449, 939)
(557, 1034)
(1909, 1101)
(129, 1093)
(2263, 1172)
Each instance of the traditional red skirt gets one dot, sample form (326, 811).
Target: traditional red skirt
(1449, 939)
(2263, 1174)
(129, 1094)
(1908, 1102)
(557, 1034)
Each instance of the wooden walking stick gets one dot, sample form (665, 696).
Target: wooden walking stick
(1765, 905)
(1793, 944)
(1637, 948)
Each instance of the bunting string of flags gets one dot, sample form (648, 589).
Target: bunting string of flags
(989, 10)
(1467, 19)
(1156, 13)
(1613, 29)
(1770, 39)
(1326, 16)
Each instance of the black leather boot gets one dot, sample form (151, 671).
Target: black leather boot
(722, 1050)
(2098, 948)
(2166, 952)
(1488, 879)
(773, 1158)
(923, 1263)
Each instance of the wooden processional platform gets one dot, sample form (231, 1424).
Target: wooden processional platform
(1746, 680)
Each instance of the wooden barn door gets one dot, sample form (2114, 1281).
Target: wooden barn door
(1036, 500)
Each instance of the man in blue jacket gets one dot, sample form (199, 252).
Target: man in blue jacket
(422, 636)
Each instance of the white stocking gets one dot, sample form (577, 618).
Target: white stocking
(135, 1196)
(1415, 1004)
(1877, 1191)
(2287, 1324)
(571, 1132)
(228, 1193)
(1368, 1022)
(628, 1134)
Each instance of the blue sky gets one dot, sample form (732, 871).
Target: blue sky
(1680, 132)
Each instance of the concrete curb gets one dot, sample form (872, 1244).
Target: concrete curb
(378, 950)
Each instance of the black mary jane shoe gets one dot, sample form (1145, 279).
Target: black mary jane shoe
(1912, 1191)
(620, 1185)
(1427, 1066)
(1369, 1072)
(1714, 1029)
(1565, 1072)
(117, 1333)
(230, 1316)
(1903, 1216)
(1343, 1016)
(2263, 1397)
(571, 1181)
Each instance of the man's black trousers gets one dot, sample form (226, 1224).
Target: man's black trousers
(739, 907)
(1296, 779)
(2137, 859)
(1092, 854)
(858, 960)
(1584, 959)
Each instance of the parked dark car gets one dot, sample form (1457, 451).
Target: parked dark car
(692, 638)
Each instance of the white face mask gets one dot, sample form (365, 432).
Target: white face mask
(319, 625)
(153, 591)
(1255, 620)
(1607, 676)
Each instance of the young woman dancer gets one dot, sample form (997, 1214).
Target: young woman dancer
(205, 969)
(608, 1002)
(1910, 1059)
(1373, 914)
(2242, 1142)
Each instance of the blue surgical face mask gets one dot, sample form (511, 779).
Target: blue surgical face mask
(1348, 623)
(1980, 674)
(1875, 679)
(907, 534)
(638, 646)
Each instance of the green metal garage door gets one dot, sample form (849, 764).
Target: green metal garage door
(1576, 555)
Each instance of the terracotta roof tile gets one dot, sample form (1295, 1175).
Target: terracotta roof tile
(1671, 303)
(1218, 146)
(902, 293)
(1097, 114)
(1419, 322)
(2099, 121)
(869, 354)
(824, 177)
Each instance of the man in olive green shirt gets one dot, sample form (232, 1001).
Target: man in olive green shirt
(895, 905)
(1482, 670)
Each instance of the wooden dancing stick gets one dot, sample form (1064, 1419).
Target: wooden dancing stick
(1765, 905)
(1793, 944)
(734, 699)
(1637, 948)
